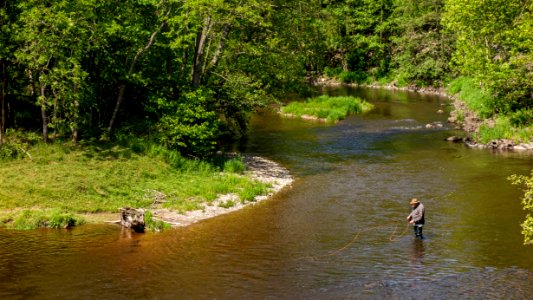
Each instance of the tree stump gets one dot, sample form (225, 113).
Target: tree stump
(132, 218)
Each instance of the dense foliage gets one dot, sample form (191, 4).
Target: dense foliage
(181, 72)
(527, 202)
(188, 73)
(495, 47)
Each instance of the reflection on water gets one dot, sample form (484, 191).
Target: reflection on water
(353, 177)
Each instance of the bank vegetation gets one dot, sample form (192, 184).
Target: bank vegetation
(187, 75)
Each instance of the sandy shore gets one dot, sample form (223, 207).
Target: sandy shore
(258, 168)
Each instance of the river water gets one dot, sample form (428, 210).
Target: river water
(338, 232)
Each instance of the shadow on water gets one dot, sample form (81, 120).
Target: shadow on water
(353, 182)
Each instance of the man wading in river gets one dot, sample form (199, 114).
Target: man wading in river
(416, 217)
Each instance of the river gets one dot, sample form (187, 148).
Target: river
(338, 232)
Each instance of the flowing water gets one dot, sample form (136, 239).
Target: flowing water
(339, 232)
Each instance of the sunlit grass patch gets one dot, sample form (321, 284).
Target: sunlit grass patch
(503, 129)
(475, 98)
(328, 108)
(31, 219)
(104, 178)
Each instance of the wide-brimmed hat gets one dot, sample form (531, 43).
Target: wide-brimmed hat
(414, 201)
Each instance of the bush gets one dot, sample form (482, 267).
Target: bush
(191, 127)
(353, 77)
(16, 143)
(527, 203)
(154, 225)
(235, 165)
(332, 72)
(30, 219)
(523, 117)
(64, 220)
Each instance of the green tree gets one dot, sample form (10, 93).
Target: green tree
(421, 47)
(52, 37)
(494, 46)
(356, 36)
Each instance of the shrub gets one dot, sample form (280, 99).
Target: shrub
(152, 224)
(190, 127)
(523, 117)
(332, 72)
(64, 220)
(234, 165)
(30, 219)
(527, 203)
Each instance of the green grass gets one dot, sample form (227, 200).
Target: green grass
(326, 107)
(30, 219)
(503, 129)
(516, 126)
(152, 224)
(103, 178)
(474, 97)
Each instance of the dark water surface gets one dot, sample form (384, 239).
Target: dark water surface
(353, 182)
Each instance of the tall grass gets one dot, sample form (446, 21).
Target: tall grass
(326, 107)
(473, 95)
(30, 219)
(503, 129)
(516, 126)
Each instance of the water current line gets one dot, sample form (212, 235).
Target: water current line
(393, 237)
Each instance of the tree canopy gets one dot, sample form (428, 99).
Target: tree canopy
(188, 73)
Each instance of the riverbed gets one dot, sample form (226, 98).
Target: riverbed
(338, 232)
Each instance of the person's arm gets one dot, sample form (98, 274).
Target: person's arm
(417, 214)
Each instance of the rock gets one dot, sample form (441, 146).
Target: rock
(500, 144)
(434, 125)
(440, 111)
(520, 148)
(454, 139)
(132, 218)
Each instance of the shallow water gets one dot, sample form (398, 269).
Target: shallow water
(339, 232)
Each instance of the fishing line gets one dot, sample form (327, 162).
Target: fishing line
(393, 237)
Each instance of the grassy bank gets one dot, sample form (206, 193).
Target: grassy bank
(499, 122)
(51, 185)
(328, 108)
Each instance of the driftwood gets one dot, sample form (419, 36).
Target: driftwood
(132, 218)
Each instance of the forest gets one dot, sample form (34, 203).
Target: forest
(187, 74)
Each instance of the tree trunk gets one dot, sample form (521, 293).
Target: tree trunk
(55, 118)
(3, 93)
(201, 39)
(122, 88)
(43, 113)
(218, 52)
(120, 97)
(132, 218)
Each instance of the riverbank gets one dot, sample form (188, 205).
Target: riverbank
(464, 118)
(258, 168)
(62, 186)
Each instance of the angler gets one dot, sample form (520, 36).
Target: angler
(416, 217)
